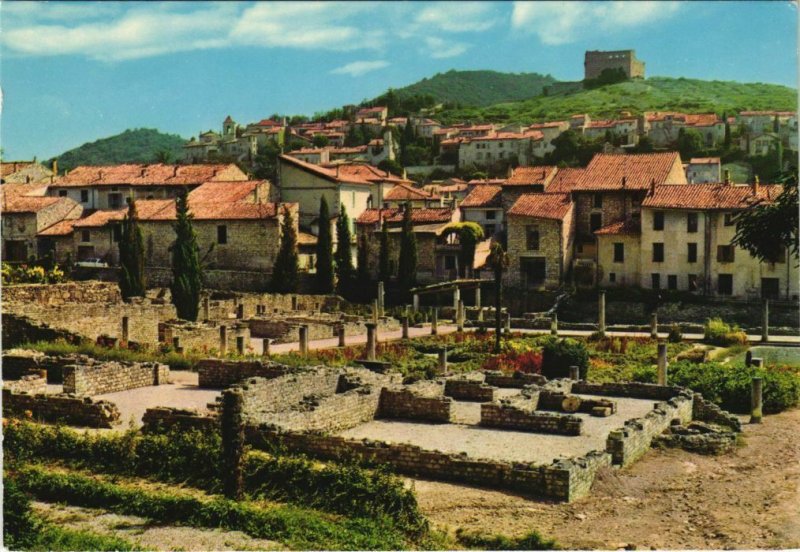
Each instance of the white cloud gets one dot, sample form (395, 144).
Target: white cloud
(358, 68)
(458, 17)
(564, 22)
(440, 48)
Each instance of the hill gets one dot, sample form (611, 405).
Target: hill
(476, 88)
(653, 94)
(140, 145)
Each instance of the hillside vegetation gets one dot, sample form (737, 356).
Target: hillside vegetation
(141, 145)
(477, 88)
(654, 94)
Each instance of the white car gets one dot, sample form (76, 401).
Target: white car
(92, 263)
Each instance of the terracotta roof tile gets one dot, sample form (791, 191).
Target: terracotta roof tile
(98, 219)
(621, 228)
(26, 204)
(61, 228)
(547, 206)
(528, 176)
(564, 180)
(227, 191)
(149, 175)
(304, 238)
(723, 197)
(484, 196)
(606, 171)
(157, 210)
(403, 192)
(418, 216)
(704, 160)
(10, 167)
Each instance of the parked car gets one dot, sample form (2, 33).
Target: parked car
(92, 263)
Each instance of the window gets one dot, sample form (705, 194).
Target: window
(691, 252)
(725, 253)
(619, 252)
(672, 282)
(532, 239)
(658, 220)
(612, 277)
(597, 201)
(86, 236)
(691, 222)
(62, 193)
(490, 215)
(116, 232)
(533, 270)
(692, 282)
(658, 252)
(728, 219)
(655, 281)
(222, 234)
(725, 284)
(84, 196)
(114, 201)
(595, 221)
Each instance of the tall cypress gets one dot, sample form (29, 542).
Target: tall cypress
(343, 256)
(324, 276)
(383, 254)
(132, 281)
(498, 262)
(363, 261)
(407, 263)
(285, 269)
(187, 275)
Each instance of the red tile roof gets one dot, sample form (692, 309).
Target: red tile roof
(704, 161)
(10, 167)
(418, 216)
(546, 206)
(227, 191)
(268, 123)
(606, 171)
(528, 135)
(528, 176)
(703, 119)
(621, 228)
(164, 210)
(723, 197)
(27, 204)
(98, 219)
(403, 192)
(484, 196)
(346, 173)
(61, 228)
(149, 175)
(564, 180)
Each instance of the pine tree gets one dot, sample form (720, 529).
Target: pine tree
(187, 275)
(343, 256)
(131, 256)
(407, 263)
(284, 272)
(324, 276)
(383, 254)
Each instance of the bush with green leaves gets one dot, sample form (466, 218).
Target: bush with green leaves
(718, 332)
(529, 541)
(559, 354)
(675, 335)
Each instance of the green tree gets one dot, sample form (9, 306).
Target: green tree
(284, 272)
(324, 276)
(131, 256)
(690, 143)
(383, 254)
(265, 164)
(343, 256)
(407, 262)
(469, 234)
(363, 261)
(768, 230)
(498, 262)
(187, 275)
(391, 166)
(320, 140)
(163, 156)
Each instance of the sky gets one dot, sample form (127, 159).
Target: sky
(75, 72)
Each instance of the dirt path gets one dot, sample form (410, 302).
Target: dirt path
(670, 499)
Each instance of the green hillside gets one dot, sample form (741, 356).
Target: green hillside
(141, 145)
(477, 88)
(653, 94)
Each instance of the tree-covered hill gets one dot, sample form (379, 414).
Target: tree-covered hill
(141, 145)
(653, 94)
(475, 88)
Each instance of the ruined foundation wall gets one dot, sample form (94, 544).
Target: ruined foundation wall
(523, 416)
(405, 404)
(60, 294)
(70, 410)
(215, 373)
(110, 377)
(469, 390)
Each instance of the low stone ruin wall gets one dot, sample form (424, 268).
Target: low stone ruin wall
(20, 362)
(707, 411)
(98, 377)
(521, 415)
(203, 337)
(68, 409)
(407, 405)
(332, 413)
(216, 373)
(517, 380)
(469, 390)
(287, 329)
(633, 390)
(60, 294)
(165, 418)
(18, 329)
(31, 384)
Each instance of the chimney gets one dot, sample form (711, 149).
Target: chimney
(175, 171)
(144, 170)
(653, 187)
(510, 172)
(756, 185)
(727, 177)
(405, 174)
(624, 181)
(27, 179)
(55, 166)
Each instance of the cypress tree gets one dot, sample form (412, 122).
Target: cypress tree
(187, 275)
(383, 254)
(363, 261)
(284, 272)
(131, 256)
(498, 261)
(343, 256)
(407, 263)
(324, 276)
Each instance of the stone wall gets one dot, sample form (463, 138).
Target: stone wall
(33, 383)
(406, 404)
(98, 378)
(163, 418)
(64, 408)
(469, 390)
(60, 294)
(215, 373)
(204, 336)
(521, 415)
(517, 380)
(20, 362)
(631, 389)
(285, 329)
(707, 411)
(18, 329)
(332, 413)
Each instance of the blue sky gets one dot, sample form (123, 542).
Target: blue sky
(76, 72)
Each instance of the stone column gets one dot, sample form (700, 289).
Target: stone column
(443, 360)
(125, 328)
(662, 364)
(434, 321)
(416, 302)
(748, 358)
(554, 324)
(405, 327)
(601, 312)
(206, 308)
(456, 297)
(240, 344)
(265, 345)
(460, 316)
(223, 340)
(478, 296)
(654, 325)
(755, 401)
(380, 299)
(375, 311)
(304, 339)
(508, 322)
(372, 339)
(574, 373)
(765, 321)
(340, 333)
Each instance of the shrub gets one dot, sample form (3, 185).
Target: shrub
(675, 335)
(720, 333)
(36, 274)
(20, 526)
(530, 541)
(559, 354)
(529, 362)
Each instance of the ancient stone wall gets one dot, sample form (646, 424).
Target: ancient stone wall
(332, 413)
(18, 329)
(405, 404)
(33, 383)
(64, 408)
(469, 390)
(522, 416)
(204, 336)
(707, 411)
(60, 294)
(517, 380)
(215, 373)
(633, 390)
(20, 362)
(164, 418)
(97, 378)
